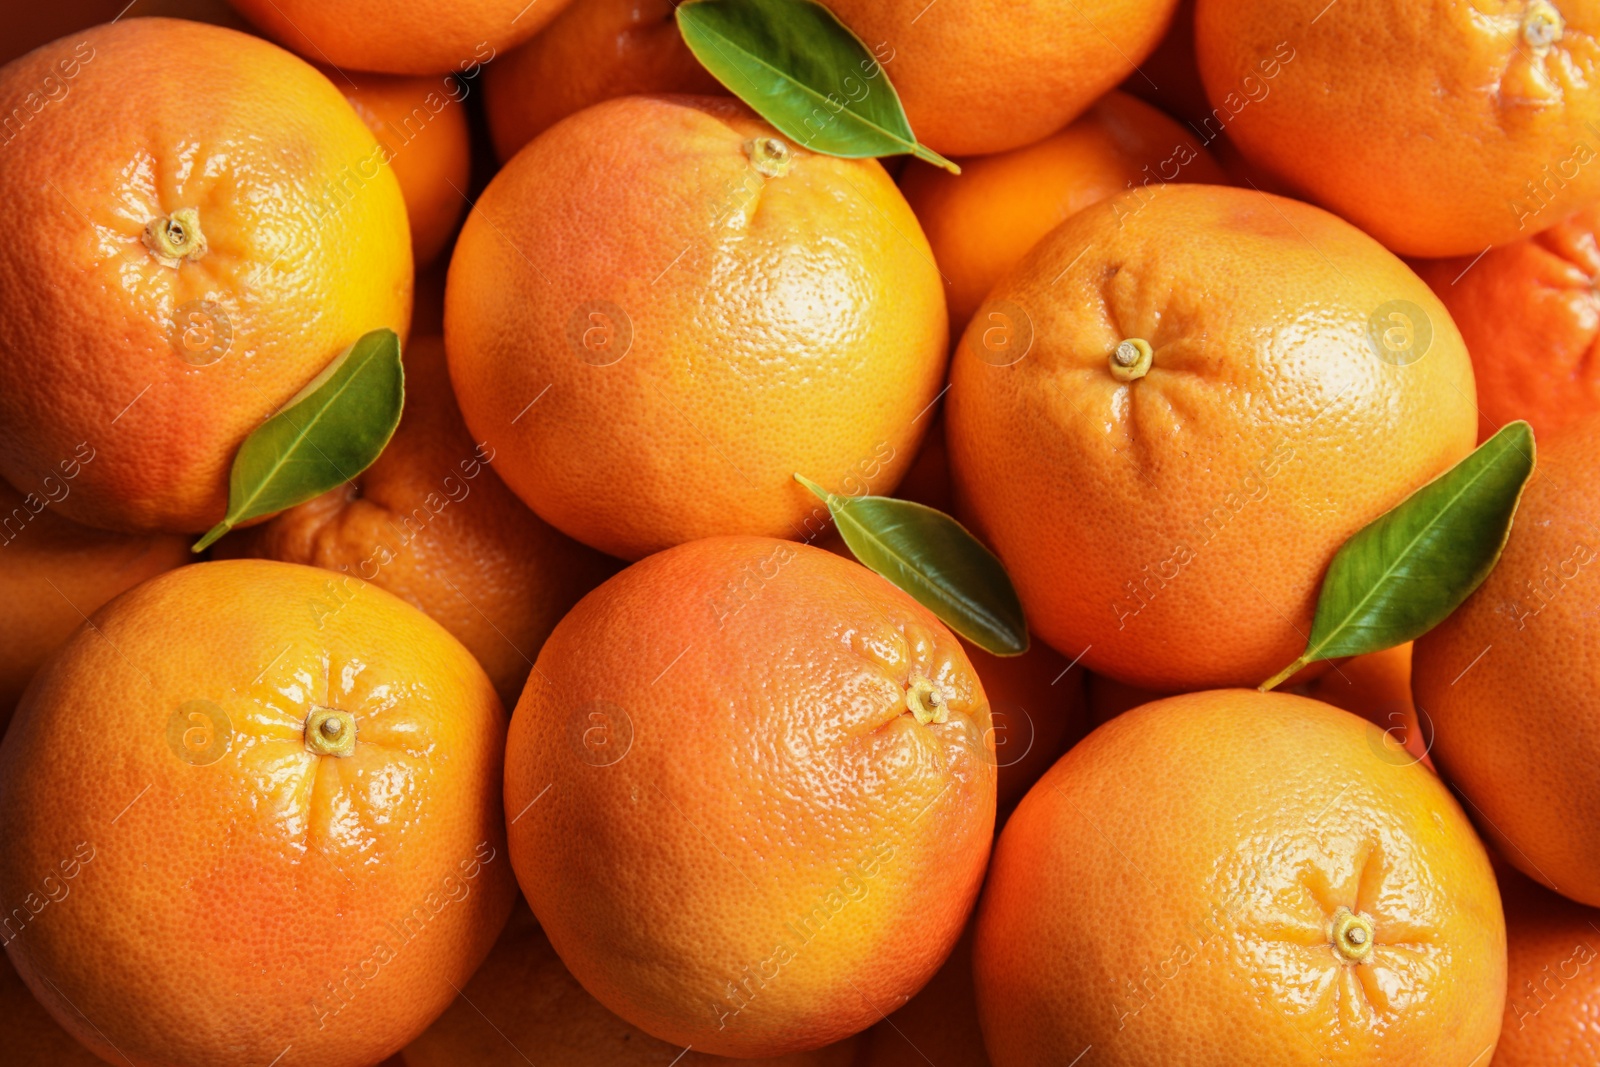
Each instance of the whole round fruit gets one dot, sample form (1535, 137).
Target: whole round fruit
(432, 523)
(421, 122)
(659, 312)
(204, 223)
(1510, 679)
(1174, 411)
(1530, 314)
(56, 573)
(236, 832)
(750, 789)
(964, 99)
(415, 37)
(522, 1003)
(1440, 129)
(1552, 979)
(982, 221)
(1233, 877)
(594, 50)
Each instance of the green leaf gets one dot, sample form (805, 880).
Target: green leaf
(1404, 572)
(326, 434)
(934, 558)
(802, 70)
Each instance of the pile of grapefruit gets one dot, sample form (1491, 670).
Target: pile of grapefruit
(983, 533)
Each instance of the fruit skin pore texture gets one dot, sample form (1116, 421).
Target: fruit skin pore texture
(1439, 128)
(982, 221)
(200, 888)
(1530, 314)
(431, 522)
(655, 326)
(594, 50)
(733, 830)
(985, 76)
(163, 366)
(404, 37)
(1181, 911)
(1511, 680)
(1180, 523)
(523, 1003)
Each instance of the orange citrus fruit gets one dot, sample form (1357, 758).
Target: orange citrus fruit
(750, 788)
(594, 50)
(259, 837)
(1187, 399)
(659, 312)
(1530, 314)
(963, 100)
(1481, 134)
(1038, 711)
(1234, 877)
(1510, 680)
(982, 221)
(205, 223)
(57, 573)
(939, 1025)
(433, 524)
(522, 1003)
(32, 1038)
(421, 122)
(30, 25)
(1170, 78)
(416, 37)
(1377, 687)
(1552, 978)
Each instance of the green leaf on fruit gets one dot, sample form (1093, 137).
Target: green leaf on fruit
(325, 435)
(932, 556)
(1404, 572)
(806, 73)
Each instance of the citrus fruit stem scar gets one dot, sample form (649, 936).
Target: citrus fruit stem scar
(926, 701)
(1542, 26)
(330, 732)
(769, 156)
(1351, 935)
(1131, 360)
(176, 237)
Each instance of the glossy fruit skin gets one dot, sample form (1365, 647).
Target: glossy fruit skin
(216, 913)
(694, 332)
(522, 1002)
(982, 221)
(1173, 530)
(964, 101)
(1530, 314)
(415, 37)
(54, 573)
(1552, 979)
(432, 523)
(421, 122)
(163, 370)
(733, 831)
(1187, 921)
(32, 1038)
(1509, 678)
(594, 50)
(1494, 128)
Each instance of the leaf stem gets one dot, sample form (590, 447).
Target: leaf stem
(928, 155)
(212, 535)
(1284, 675)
